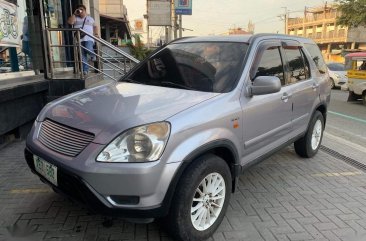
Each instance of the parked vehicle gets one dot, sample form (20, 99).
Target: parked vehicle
(356, 71)
(5, 68)
(171, 138)
(338, 75)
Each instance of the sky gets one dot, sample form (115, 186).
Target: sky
(215, 17)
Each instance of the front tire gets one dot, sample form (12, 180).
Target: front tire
(332, 83)
(308, 145)
(201, 199)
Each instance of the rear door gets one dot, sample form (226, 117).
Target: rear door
(304, 88)
(266, 118)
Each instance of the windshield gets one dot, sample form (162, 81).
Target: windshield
(202, 66)
(336, 67)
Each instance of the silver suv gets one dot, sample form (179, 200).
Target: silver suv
(171, 138)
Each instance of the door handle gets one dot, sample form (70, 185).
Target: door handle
(285, 97)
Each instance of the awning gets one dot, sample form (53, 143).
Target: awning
(121, 24)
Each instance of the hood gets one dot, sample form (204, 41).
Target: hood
(340, 73)
(108, 110)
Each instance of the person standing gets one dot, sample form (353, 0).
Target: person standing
(81, 20)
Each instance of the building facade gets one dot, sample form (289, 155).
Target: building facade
(320, 24)
(50, 68)
(114, 23)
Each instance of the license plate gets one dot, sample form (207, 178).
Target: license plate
(46, 169)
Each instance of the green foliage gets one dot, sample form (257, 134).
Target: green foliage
(138, 50)
(353, 13)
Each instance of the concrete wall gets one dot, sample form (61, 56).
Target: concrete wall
(112, 8)
(94, 12)
(20, 105)
(357, 35)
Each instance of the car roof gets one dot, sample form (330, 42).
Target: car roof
(246, 38)
(357, 54)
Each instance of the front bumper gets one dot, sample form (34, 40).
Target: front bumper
(141, 194)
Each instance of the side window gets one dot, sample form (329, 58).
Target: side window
(307, 65)
(297, 71)
(317, 57)
(271, 64)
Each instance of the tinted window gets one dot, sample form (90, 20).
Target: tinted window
(317, 57)
(296, 64)
(307, 65)
(208, 66)
(271, 64)
(336, 67)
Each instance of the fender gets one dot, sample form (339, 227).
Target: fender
(234, 166)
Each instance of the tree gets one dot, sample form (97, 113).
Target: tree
(138, 50)
(353, 13)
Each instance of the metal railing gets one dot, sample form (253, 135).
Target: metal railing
(110, 61)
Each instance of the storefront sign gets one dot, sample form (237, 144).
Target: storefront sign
(9, 28)
(183, 7)
(139, 25)
(159, 13)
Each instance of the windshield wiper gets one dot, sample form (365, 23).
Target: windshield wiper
(172, 84)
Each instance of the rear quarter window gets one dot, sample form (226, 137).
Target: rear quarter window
(317, 57)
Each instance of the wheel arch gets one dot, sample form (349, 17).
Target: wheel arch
(224, 149)
(322, 108)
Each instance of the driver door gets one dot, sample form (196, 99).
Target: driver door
(266, 118)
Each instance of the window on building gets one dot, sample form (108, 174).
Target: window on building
(331, 34)
(341, 33)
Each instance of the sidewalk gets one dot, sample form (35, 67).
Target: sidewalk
(282, 198)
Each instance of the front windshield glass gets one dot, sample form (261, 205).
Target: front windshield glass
(336, 67)
(201, 66)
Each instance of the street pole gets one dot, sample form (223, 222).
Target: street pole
(175, 26)
(174, 21)
(147, 20)
(285, 19)
(180, 25)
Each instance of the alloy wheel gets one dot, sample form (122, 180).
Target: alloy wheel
(208, 201)
(317, 134)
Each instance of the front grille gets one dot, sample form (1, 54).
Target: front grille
(63, 139)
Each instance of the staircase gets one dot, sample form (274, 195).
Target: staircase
(65, 62)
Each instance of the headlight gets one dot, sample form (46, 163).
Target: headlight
(337, 75)
(141, 144)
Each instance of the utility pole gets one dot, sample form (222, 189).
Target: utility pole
(147, 20)
(180, 26)
(286, 19)
(175, 26)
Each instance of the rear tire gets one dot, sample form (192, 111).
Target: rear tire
(308, 145)
(352, 96)
(200, 200)
(364, 98)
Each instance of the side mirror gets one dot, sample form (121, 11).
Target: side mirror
(263, 85)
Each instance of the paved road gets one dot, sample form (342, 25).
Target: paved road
(283, 198)
(347, 119)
